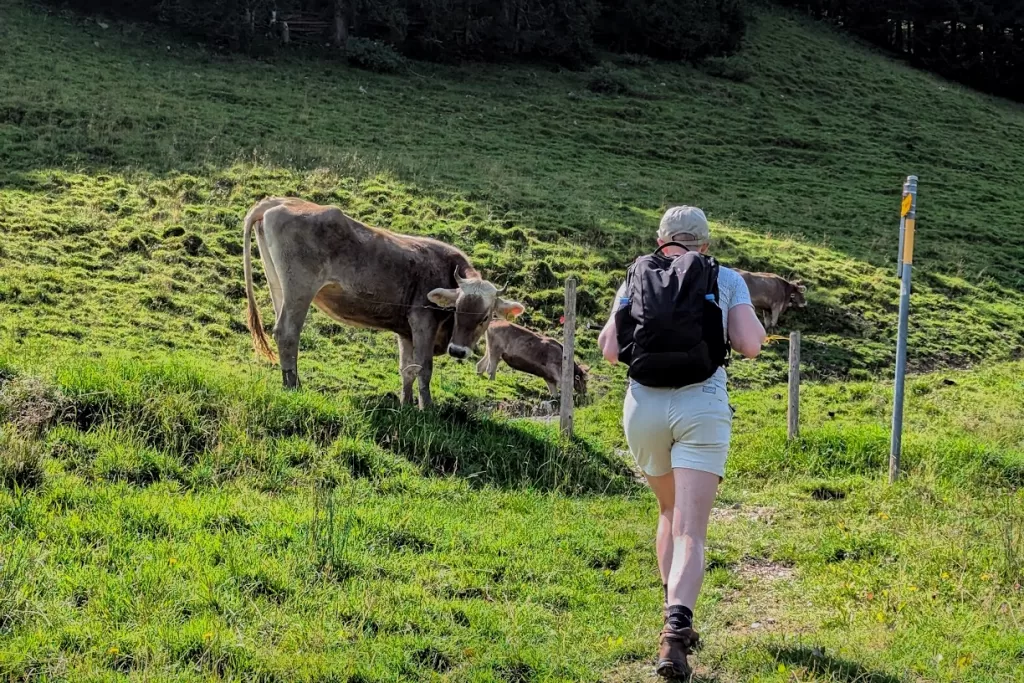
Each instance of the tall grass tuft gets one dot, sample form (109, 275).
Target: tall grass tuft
(14, 567)
(21, 460)
(1011, 527)
(330, 532)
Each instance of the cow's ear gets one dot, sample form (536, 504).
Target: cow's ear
(509, 309)
(445, 298)
(801, 288)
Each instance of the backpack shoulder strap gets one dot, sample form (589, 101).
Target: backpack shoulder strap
(712, 286)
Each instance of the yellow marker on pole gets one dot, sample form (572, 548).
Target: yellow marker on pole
(908, 201)
(908, 239)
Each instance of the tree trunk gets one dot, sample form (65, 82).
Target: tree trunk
(340, 24)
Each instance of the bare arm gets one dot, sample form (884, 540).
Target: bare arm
(746, 334)
(608, 340)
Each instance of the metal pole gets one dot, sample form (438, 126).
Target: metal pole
(909, 222)
(565, 392)
(794, 386)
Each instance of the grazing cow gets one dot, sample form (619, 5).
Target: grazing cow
(528, 352)
(772, 295)
(423, 290)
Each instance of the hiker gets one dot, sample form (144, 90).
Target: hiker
(673, 322)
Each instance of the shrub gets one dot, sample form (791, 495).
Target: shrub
(673, 29)
(727, 69)
(631, 59)
(29, 405)
(372, 55)
(607, 80)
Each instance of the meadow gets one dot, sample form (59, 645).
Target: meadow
(168, 513)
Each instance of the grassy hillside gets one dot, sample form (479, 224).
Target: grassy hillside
(166, 513)
(128, 160)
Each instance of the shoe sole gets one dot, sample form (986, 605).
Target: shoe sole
(668, 670)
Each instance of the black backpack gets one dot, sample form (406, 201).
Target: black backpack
(670, 330)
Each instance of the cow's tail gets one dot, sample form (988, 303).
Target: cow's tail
(260, 342)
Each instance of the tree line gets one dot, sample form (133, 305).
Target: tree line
(976, 42)
(562, 30)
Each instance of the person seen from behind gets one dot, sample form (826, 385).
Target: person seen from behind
(673, 322)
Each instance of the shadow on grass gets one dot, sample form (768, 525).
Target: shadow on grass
(457, 440)
(833, 668)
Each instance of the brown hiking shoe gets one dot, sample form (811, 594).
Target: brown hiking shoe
(675, 646)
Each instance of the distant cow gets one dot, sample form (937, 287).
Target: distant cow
(423, 290)
(772, 295)
(528, 352)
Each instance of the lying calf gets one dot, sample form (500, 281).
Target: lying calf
(528, 352)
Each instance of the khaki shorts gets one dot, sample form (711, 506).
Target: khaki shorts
(689, 427)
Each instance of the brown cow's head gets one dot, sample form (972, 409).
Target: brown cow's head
(579, 380)
(476, 303)
(796, 294)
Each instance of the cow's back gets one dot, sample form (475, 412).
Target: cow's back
(362, 275)
(766, 289)
(323, 236)
(527, 351)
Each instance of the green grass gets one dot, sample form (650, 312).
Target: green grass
(168, 513)
(188, 521)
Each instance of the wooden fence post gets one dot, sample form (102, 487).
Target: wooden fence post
(565, 392)
(794, 386)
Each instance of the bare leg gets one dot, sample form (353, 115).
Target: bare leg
(664, 488)
(694, 496)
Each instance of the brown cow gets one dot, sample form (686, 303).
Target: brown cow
(528, 352)
(423, 290)
(772, 295)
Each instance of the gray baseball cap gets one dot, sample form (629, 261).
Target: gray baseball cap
(685, 224)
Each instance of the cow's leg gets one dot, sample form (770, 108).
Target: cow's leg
(484, 363)
(406, 368)
(776, 312)
(294, 309)
(270, 269)
(492, 359)
(424, 332)
(552, 387)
